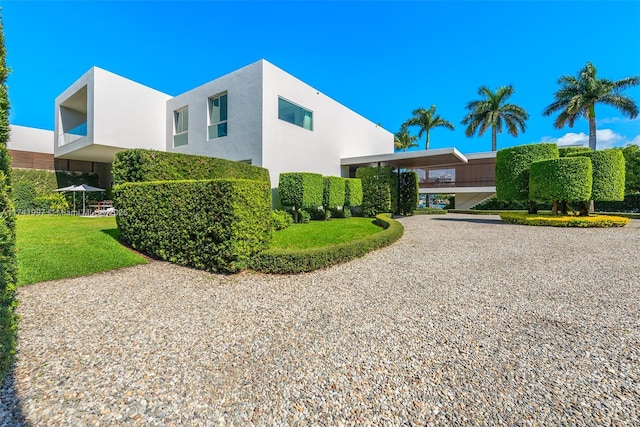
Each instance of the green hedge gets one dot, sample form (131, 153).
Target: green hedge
(512, 169)
(8, 266)
(299, 261)
(215, 225)
(608, 174)
(564, 221)
(377, 184)
(352, 192)
(300, 190)
(408, 196)
(631, 203)
(333, 194)
(30, 184)
(573, 151)
(566, 178)
(139, 165)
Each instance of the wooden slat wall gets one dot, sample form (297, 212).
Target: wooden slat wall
(30, 160)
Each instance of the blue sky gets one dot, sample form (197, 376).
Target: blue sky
(382, 59)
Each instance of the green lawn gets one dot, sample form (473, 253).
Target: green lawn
(55, 247)
(323, 233)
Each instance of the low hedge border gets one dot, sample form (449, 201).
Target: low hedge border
(564, 220)
(300, 261)
(430, 211)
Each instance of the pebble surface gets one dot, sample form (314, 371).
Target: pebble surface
(463, 321)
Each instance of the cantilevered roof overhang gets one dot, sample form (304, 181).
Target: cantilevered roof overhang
(412, 159)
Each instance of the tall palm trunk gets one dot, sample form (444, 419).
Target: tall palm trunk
(494, 144)
(426, 147)
(592, 127)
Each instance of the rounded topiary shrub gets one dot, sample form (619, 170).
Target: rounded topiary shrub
(566, 178)
(512, 169)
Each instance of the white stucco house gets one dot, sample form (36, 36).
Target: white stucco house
(258, 114)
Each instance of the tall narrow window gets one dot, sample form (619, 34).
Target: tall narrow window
(218, 116)
(292, 113)
(181, 123)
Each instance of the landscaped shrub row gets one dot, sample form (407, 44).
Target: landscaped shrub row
(408, 193)
(352, 192)
(631, 203)
(376, 189)
(298, 261)
(8, 268)
(138, 165)
(300, 190)
(32, 184)
(564, 220)
(215, 225)
(333, 193)
(608, 174)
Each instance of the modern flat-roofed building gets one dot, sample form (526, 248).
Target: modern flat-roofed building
(258, 114)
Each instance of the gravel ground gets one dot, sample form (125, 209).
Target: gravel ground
(465, 320)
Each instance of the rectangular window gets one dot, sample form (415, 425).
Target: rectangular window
(218, 116)
(295, 114)
(181, 123)
(442, 176)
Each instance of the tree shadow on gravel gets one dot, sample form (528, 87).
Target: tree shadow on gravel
(11, 414)
(496, 221)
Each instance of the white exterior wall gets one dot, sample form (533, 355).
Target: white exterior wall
(338, 132)
(23, 138)
(244, 117)
(120, 114)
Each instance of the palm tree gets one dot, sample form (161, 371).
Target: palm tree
(577, 97)
(403, 140)
(427, 120)
(492, 111)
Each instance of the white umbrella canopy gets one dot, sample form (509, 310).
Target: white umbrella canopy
(84, 188)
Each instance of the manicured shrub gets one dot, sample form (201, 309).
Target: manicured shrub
(494, 204)
(632, 168)
(139, 165)
(300, 190)
(304, 217)
(298, 261)
(631, 203)
(376, 189)
(429, 211)
(8, 267)
(343, 212)
(564, 220)
(52, 202)
(573, 151)
(608, 174)
(408, 196)
(281, 219)
(566, 178)
(512, 169)
(333, 194)
(215, 225)
(352, 192)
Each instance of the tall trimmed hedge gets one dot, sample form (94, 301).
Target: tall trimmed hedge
(333, 192)
(300, 190)
(352, 192)
(512, 169)
(377, 184)
(573, 151)
(8, 265)
(215, 225)
(139, 165)
(566, 178)
(30, 184)
(408, 196)
(608, 174)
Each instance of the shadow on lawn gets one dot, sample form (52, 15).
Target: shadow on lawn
(496, 221)
(113, 232)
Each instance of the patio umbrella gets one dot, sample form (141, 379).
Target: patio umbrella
(84, 188)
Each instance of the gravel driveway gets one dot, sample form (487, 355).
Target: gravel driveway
(465, 320)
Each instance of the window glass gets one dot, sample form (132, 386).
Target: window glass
(218, 116)
(292, 113)
(181, 119)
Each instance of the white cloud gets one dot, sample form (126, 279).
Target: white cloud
(605, 138)
(608, 120)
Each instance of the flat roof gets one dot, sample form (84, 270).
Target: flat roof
(412, 159)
